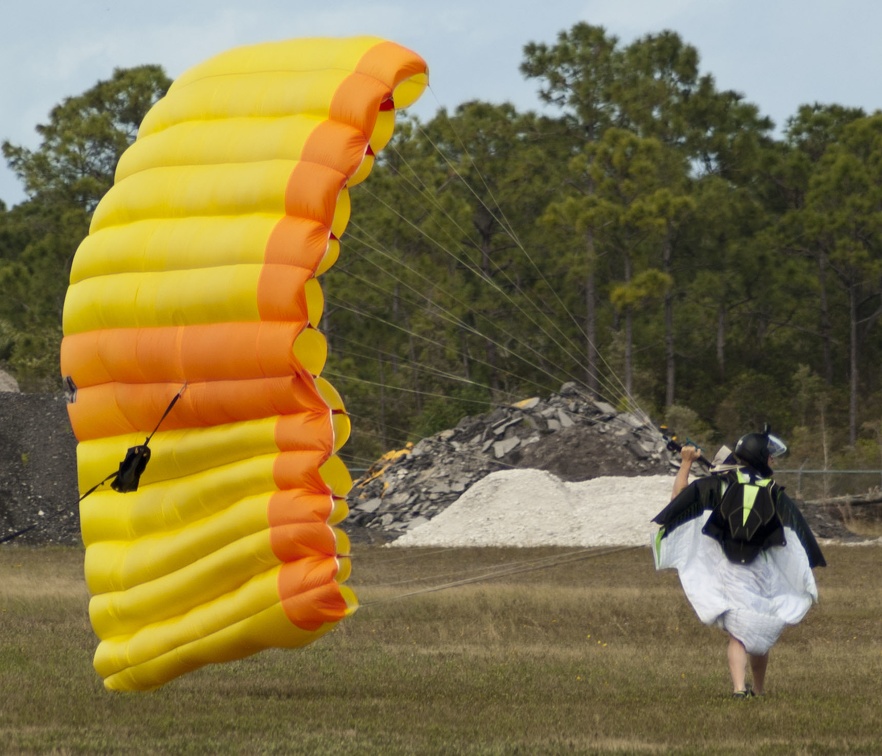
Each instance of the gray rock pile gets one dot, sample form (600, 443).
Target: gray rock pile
(568, 434)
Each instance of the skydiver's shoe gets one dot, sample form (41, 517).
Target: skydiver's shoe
(741, 695)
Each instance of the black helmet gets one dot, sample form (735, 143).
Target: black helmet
(754, 449)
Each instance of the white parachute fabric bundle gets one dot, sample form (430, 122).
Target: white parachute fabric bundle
(753, 602)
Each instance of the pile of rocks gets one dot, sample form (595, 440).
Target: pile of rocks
(568, 434)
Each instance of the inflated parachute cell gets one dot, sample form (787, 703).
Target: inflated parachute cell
(199, 271)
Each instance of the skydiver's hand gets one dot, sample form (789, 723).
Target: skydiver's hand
(689, 454)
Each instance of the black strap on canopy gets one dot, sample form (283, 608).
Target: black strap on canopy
(126, 478)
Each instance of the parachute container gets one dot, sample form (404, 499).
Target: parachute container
(201, 269)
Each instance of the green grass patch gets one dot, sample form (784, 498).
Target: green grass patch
(600, 655)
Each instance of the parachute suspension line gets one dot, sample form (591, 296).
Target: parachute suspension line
(609, 389)
(375, 247)
(508, 570)
(552, 559)
(480, 274)
(411, 555)
(504, 223)
(361, 424)
(611, 392)
(433, 342)
(622, 391)
(462, 325)
(485, 278)
(500, 218)
(377, 352)
(416, 366)
(340, 377)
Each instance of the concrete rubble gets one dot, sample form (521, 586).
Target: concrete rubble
(569, 434)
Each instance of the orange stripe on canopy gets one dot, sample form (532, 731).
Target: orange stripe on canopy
(112, 409)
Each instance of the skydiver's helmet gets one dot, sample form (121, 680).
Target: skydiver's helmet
(755, 449)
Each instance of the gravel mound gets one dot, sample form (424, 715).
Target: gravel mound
(536, 508)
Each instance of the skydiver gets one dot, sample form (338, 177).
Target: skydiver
(745, 567)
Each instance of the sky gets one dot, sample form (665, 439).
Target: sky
(778, 54)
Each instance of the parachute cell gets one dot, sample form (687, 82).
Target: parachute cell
(199, 270)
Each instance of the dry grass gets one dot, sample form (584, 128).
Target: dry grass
(863, 520)
(600, 655)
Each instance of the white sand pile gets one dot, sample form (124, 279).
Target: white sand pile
(535, 508)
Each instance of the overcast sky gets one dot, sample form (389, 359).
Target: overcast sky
(777, 53)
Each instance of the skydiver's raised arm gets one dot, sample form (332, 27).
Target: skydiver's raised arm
(688, 455)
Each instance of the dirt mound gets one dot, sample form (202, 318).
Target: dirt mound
(585, 452)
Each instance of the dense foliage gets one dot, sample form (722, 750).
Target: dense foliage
(649, 237)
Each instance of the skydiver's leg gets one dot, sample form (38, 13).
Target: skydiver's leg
(758, 666)
(737, 663)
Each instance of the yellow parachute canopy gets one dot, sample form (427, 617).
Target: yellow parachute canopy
(200, 270)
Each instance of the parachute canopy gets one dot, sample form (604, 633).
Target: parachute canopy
(200, 270)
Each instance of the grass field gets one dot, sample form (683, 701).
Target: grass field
(595, 656)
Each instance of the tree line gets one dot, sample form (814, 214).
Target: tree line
(648, 235)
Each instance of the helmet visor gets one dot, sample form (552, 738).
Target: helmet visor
(777, 448)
